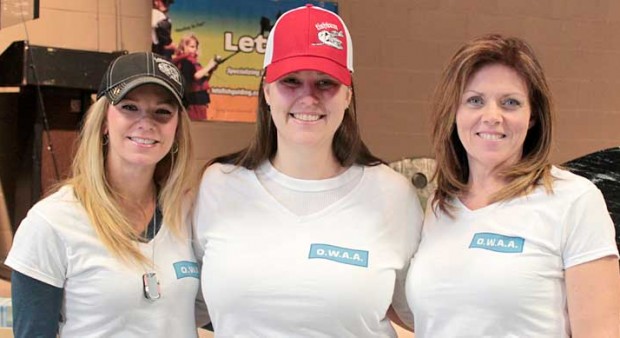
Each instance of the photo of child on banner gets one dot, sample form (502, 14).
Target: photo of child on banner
(196, 76)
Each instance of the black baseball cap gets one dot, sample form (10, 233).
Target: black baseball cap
(132, 70)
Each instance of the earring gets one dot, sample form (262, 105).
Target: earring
(175, 148)
(106, 139)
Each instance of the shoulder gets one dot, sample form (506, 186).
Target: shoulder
(50, 221)
(223, 169)
(568, 190)
(59, 210)
(566, 182)
(61, 201)
(157, 15)
(387, 177)
(223, 174)
(387, 182)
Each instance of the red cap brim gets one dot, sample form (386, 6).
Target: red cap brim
(298, 63)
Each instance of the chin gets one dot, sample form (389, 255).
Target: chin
(145, 160)
(311, 142)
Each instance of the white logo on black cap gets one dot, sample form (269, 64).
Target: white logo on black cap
(169, 69)
(116, 90)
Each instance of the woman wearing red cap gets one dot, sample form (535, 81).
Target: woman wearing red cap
(305, 233)
(109, 254)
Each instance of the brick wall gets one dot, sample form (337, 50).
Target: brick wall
(400, 48)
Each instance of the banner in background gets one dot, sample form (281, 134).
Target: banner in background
(231, 37)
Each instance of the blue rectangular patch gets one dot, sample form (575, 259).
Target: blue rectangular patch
(339, 254)
(185, 269)
(498, 243)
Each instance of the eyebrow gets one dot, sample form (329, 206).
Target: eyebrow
(505, 94)
(168, 100)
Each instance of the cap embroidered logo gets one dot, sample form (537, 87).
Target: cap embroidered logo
(330, 39)
(169, 69)
(135, 69)
(116, 90)
(309, 38)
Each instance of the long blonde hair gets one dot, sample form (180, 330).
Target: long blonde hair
(452, 171)
(174, 175)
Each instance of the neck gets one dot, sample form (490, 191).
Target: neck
(482, 184)
(305, 163)
(137, 189)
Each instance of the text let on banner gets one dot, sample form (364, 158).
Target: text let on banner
(231, 38)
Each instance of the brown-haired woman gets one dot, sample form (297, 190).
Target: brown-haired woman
(512, 246)
(305, 233)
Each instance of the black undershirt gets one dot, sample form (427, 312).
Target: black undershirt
(37, 305)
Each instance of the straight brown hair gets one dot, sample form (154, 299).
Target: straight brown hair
(347, 144)
(452, 170)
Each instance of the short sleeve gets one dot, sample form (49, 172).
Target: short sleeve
(38, 252)
(197, 246)
(201, 311)
(203, 210)
(589, 232)
(414, 220)
(399, 300)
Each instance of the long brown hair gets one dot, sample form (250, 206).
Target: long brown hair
(452, 171)
(347, 144)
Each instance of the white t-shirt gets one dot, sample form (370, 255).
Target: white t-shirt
(498, 271)
(334, 273)
(56, 244)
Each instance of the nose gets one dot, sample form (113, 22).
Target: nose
(492, 114)
(308, 93)
(147, 120)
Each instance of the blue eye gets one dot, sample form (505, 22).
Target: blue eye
(512, 103)
(475, 101)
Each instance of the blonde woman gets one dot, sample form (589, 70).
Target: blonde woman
(109, 253)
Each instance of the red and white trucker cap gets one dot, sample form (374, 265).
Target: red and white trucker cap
(309, 38)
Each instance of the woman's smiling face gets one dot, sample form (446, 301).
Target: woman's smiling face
(141, 128)
(493, 117)
(307, 107)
